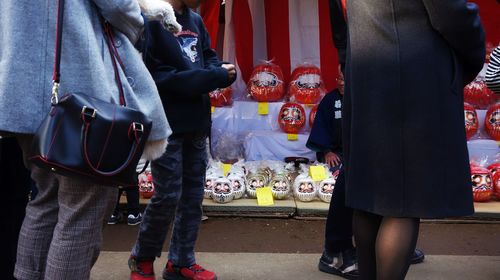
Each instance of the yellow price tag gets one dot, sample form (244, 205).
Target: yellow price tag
(317, 173)
(226, 167)
(263, 108)
(212, 109)
(293, 137)
(264, 196)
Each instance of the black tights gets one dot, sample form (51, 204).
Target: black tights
(384, 245)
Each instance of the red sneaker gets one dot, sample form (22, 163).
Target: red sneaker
(195, 272)
(141, 270)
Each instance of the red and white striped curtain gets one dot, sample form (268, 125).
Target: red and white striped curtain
(288, 32)
(291, 32)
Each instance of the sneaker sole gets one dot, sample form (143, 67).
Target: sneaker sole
(133, 224)
(330, 270)
(417, 260)
(170, 276)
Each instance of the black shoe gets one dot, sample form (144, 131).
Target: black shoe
(417, 257)
(133, 220)
(114, 219)
(343, 264)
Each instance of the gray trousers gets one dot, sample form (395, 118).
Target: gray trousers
(62, 232)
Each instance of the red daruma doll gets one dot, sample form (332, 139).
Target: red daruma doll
(146, 186)
(471, 120)
(494, 169)
(478, 95)
(492, 122)
(221, 97)
(482, 188)
(292, 117)
(266, 83)
(306, 85)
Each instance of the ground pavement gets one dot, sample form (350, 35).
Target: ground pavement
(275, 249)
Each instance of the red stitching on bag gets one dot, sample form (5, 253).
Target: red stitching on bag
(126, 164)
(85, 154)
(107, 138)
(55, 135)
(136, 138)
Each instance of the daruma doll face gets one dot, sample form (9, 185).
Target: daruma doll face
(492, 122)
(471, 120)
(482, 187)
(292, 118)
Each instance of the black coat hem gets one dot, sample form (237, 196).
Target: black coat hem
(415, 214)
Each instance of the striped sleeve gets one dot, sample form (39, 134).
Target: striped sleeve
(493, 71)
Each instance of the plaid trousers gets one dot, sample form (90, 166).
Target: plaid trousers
(62, 232)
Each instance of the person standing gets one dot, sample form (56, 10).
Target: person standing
(134, 215)
(405, 151)
(185, 70)
(61, 235)
(339, 254)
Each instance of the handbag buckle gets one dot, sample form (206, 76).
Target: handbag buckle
(136, 131)
(139, 127)
(88, 113)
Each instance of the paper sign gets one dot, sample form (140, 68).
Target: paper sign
(317, 173)
(293, 137)
(226, 167)
(264, 196)
(213, 109)
(263, 108)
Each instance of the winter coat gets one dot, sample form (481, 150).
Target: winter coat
(185, 70)
(27, 40)
(404, 139)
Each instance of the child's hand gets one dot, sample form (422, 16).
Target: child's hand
(161, 11)
(231, 69)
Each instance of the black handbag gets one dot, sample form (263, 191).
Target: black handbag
(87, 137)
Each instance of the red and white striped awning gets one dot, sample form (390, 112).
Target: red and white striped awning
(287, 32)
(291, 32)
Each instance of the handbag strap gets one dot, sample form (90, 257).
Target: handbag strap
(136, 142)
(108, 34)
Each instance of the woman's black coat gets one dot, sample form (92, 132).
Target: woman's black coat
(407, 62)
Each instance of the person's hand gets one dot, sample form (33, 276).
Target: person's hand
(231, 70)
(161, 11)
(332, 159)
